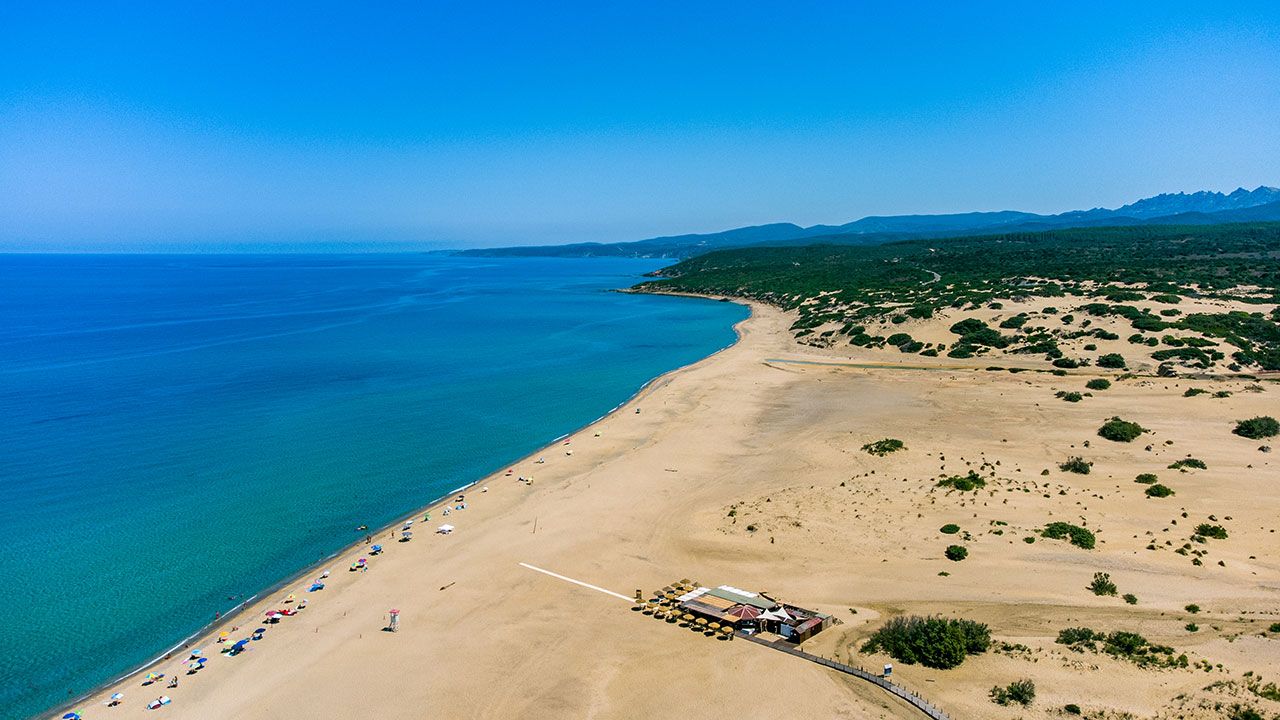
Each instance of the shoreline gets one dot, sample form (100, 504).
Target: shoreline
(208, 632)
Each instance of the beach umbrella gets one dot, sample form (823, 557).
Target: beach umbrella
(197, 652)
(240, 644)
(290, 598)
(117, 696)
(71, 716)
(376, 548)
(202, 661)
(154, 675)
(165, 699)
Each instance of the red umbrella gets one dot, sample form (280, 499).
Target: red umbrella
(746, 612)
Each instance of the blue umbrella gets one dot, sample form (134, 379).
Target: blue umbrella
(202, 661)
(239, 644)
(71, 716)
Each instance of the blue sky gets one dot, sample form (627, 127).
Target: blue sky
(450, 124)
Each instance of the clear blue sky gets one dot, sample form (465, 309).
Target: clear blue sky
(464, 123)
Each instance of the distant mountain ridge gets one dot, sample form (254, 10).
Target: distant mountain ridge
(1198, 208)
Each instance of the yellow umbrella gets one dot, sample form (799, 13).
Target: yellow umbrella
(701, 621)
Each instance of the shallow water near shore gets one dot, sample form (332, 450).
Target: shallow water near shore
(181, 432)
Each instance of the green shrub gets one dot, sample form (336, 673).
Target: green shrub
(1131, 598)
(1243, 712)
(968, 326)
(884, 447)
(1071, 709)
(1102, 584)
(1159, 491)
(956, 553)
(1192, 392)
(1098, 384)
(934, 642)
(1263, 426)
(964, 483)
(1014, 322)
(1192, 608)
(1146, 478)
(1021, 692)
(1111, 360)
(1118, 430)
(1188, 463)
(1070, 396)
(949, 529)
(1066, 363)
(1076, 465)
(1216, 532)
(1080, 537)
(1192, 627)
(1275, 627)
(897, 339)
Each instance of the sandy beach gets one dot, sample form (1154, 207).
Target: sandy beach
(745, 469)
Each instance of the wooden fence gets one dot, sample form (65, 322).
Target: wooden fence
(914, 700)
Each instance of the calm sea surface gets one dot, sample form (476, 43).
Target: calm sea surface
(177, 432)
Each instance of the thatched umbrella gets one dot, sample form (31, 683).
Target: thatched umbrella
(686, 617)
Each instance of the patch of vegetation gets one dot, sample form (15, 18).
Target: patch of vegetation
(1077, 465)
(1080, 537)
(1188, 463)
(832, 280)
(949, 529)
(1098, 384)
(1192, 608)
(1217, 532)
(934, 642)
(1071, 709)
(1257, 428)
(1118, 430)
(1021, 692)
(1121, 644)
(956, 553)
(1102, 584)
(1192, 392)
(884, 447)
(1130, 598)
(1146, 478)
(1111, 360)
(964, 483)
(1159, 491)
(1070, 396)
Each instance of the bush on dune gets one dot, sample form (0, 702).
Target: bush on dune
(934, 642)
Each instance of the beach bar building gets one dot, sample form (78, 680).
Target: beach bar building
(753, 612)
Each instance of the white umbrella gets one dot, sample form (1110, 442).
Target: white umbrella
(446, 529)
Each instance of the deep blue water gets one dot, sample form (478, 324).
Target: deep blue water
(178, 430)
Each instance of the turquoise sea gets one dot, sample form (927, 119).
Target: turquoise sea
(180, 432)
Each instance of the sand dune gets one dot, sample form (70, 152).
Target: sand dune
(745, 469)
